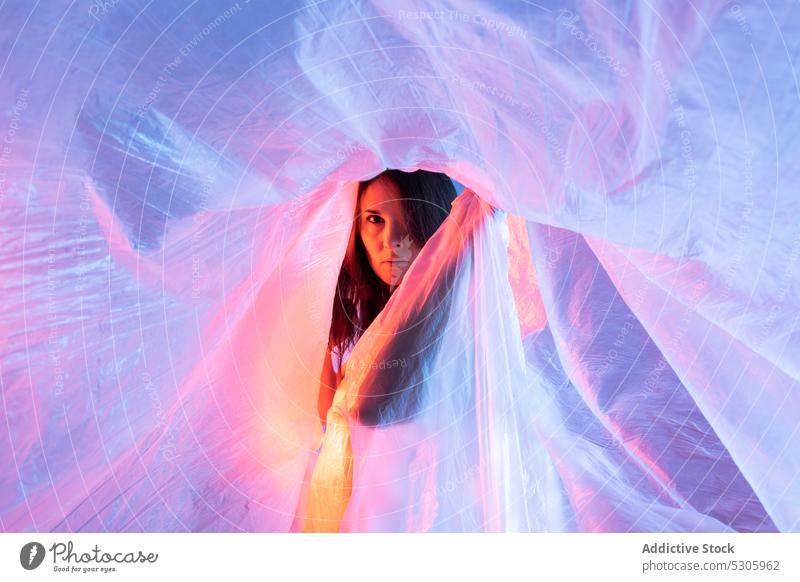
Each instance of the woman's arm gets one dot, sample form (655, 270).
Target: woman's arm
(393, 387)
(328, 383)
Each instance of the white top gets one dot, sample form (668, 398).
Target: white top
(335, 361)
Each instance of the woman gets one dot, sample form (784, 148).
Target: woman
(396, 213)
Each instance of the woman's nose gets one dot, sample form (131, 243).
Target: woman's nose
(392, 236)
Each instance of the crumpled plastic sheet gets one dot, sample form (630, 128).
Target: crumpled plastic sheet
(610, 338)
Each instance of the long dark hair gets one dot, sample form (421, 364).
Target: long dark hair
(360, 293)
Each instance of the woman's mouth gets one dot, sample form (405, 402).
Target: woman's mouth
(396, 269)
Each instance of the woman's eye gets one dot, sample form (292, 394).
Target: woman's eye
(377, 219)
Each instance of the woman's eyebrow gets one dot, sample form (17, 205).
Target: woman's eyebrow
(370, 210)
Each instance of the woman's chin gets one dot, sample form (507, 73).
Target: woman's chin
(393, 280)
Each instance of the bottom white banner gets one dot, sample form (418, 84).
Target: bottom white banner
(350, 557)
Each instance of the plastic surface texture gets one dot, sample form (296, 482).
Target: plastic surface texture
(603, 336)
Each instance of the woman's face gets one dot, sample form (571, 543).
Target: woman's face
(382, 223)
